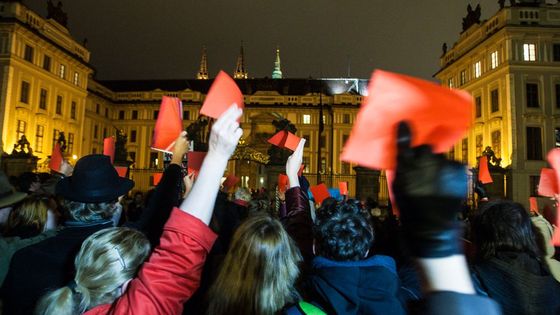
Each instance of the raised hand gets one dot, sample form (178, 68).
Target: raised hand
(180, 148)
(293, 164)
(225, 133)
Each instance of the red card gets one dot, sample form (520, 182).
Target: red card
(121, 170)
(437, 116)
(320, 193)
(169, 124)
(483, 172)
(533, 205)
(222, 94)
(56, 158)
(301, 168)
(548, 184)
(195, 160)
(285, 140)
(343, 188)
(390, 176)
(553, 158)
(157, 178)
(230, 182)
(282, 182)
(109, 148)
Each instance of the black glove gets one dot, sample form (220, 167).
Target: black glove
(480, 191)
(429, 191)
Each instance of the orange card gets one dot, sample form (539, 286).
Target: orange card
(56, 158)
(230, 182)
(343, 188)
(157, 178)
(109, 148)
(320, 193)
(282, 182)
(121, 170)
(222, 94)
(169, 124)
(301, 168)
(483, 172)
(548, 184)
(390, 176)
(195, 160)
(533, 205)
(285, 140)
(437, 116)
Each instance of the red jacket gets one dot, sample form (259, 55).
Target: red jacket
(172, 273)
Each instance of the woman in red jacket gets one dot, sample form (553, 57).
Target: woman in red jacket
(107, 279)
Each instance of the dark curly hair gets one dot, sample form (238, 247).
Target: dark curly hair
(342, 232)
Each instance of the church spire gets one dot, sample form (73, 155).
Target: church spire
(240, 71)
(277, 72)
(203, 71)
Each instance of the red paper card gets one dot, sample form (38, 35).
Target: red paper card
(109, 148)
(56, 158)
(169, 124)
(121, 170)
(437, 116)
(282, 182)
(222, 94)
(195, 160)
(285, 140)
(343, 188)
(320, 193)
(553, 158)
(230, 182)
(533, 205)
(301, 168)
(548, 185)
(390, 176)
(157, 178)
(483, 172)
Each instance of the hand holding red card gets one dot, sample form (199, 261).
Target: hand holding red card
(109, 148)
(343, 188)
(320, 192)
(533, 205)
(56, 158)
(285, 140)
(222, 94)
(169, 124)
(483, 172)
(438, 116)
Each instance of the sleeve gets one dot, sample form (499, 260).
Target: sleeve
(172, 274)
(298, 222)
(438, 303)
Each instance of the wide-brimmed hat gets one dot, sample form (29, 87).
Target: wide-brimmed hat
(8, 194)
(94, 180)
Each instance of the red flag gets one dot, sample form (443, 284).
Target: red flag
(56, 158)
(169, 124)
(109, 148)
(230, 182)
(438, 116)
(282, 182)
(222, 94)
(195, 160)
(483, 172)
(285, 140)
(343, 188)
(320, 192)
(121, 170)
(157, 178)
(548, 185)
(533, 204)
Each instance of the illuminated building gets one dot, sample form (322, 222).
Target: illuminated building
(510, 64)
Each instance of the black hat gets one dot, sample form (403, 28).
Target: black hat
(94, 180)
(8, 195)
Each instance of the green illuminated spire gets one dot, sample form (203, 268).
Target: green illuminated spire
(277, 72)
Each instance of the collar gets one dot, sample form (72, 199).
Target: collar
(79, 224)
(373, 261)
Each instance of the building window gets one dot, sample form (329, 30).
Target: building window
(345, 118)
(479, 145)
(344, 168)
(104, 132)
(73, 110)
(47, 63)
(529, 52)
(556, 52)
(28, 53)
(532, 91)
(121, 114)
(463, 77)
(305, 162)
(497, 142)
(478, 106)
(186, 115)
(132, 156)
(323, 165)
(154, 159)
(70, 143)
(450, 83)
(76, 78)
(534, 143)
(59, 105)
(133, 136)
(62, 71)
(56, 132)
(534, 185)
(134, 114)
(494, 60)
(323, 139)
(39, 134)
(477, 69)
(156, 113)
(97, 108)
(106, 112)
(306, 119)
(43, 99)
(20, 131)
(24, 94)
(307, 138)
(465, 150)
(494, 101)
(95, 131)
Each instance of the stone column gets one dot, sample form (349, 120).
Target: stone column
(367, 182)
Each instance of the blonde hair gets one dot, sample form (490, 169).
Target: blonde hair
(106, 260)
(259, 270)
(30, 214)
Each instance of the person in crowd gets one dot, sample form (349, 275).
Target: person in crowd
(107, 279)
(543, 233)
(509, 266)
(135, 207)
(29, 182)
(8, 198)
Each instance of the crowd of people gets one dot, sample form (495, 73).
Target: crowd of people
(70, 243)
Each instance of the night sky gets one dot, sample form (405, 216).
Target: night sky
(141, 39)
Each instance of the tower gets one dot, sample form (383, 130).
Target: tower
(203, 71)
(277, 72)
(240, 71)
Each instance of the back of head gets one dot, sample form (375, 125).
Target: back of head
(28, 219)
(106, 261)
(89, 212)
(26, 181)
(503, 225)
(342, 232)
(242, 194)
(259, 270)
